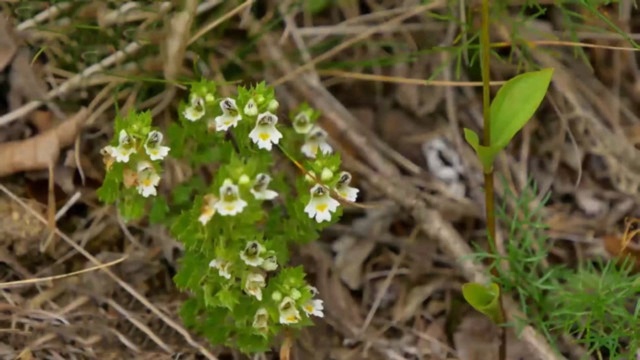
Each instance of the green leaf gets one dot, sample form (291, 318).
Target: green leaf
(159, 210)
(485, 299)
(226, 298)
(486, 154)
(515, 103)
(316, 6)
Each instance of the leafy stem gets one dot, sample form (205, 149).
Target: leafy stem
(485, 50)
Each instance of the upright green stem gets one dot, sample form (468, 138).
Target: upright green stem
(485, 50)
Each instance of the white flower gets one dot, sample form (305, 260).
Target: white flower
(288, 312)
(108, 156)
(208, 209)
(314, 307)
(313, 290)
(265, 134)
(321, 205)
(251, 254)
(259, 189)
(230, 115)
(301, 123)
(344, 190)
(251, 109)
(125, 147)
(261, 319)
(195, 110)
(254, 284)
(230, 202)
(148, 179)
(222, 266)
(316, 139)
(270, 263)
(153, 148)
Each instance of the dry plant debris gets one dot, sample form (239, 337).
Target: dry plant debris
(390, 295)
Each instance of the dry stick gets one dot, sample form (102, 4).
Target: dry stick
(432, 224)
(175, 326)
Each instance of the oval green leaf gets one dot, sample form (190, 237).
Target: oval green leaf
(485, 299)
(515, 103)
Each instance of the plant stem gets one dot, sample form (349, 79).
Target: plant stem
(485, 50)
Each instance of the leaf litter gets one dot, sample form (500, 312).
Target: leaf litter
(357, 264)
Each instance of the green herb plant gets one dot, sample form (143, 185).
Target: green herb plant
(514, 104)
(596, 304)
(239, 212)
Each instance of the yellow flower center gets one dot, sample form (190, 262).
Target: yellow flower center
(321, 207)
(264, 136)
(291, 318)
(146, 182)
(229, 207)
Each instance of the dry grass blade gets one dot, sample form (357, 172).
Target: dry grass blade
(175, 326)
(14, 284)
(412, 11)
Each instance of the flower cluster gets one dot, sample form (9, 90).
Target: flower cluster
(138, 151)
(258, 110)
(237, 228)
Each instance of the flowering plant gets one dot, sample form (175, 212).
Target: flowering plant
(236, 229)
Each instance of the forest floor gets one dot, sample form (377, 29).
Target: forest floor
(395, 81)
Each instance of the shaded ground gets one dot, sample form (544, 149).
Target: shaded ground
(391, 272)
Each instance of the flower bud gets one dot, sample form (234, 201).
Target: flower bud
(326, 175)
(273, 105)
(276, 296)
(244, 180)
(295, 294)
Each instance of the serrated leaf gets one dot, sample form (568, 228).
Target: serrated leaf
(515, 103)
(132, 208)
(227, 299)
(109, 191)
(159, 210)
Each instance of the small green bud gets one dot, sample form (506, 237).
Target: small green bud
(209, 98)
(276, 296)
(273, 105)
(244, 180)
(295, 294)
(326, 175)
(309, 177)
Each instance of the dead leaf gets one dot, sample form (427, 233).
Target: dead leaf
(18, 227)
(41, 151)
(477, 338)
(408, 308)
(8, 43)
(26, 85)
(350, 256)
(178, 33)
